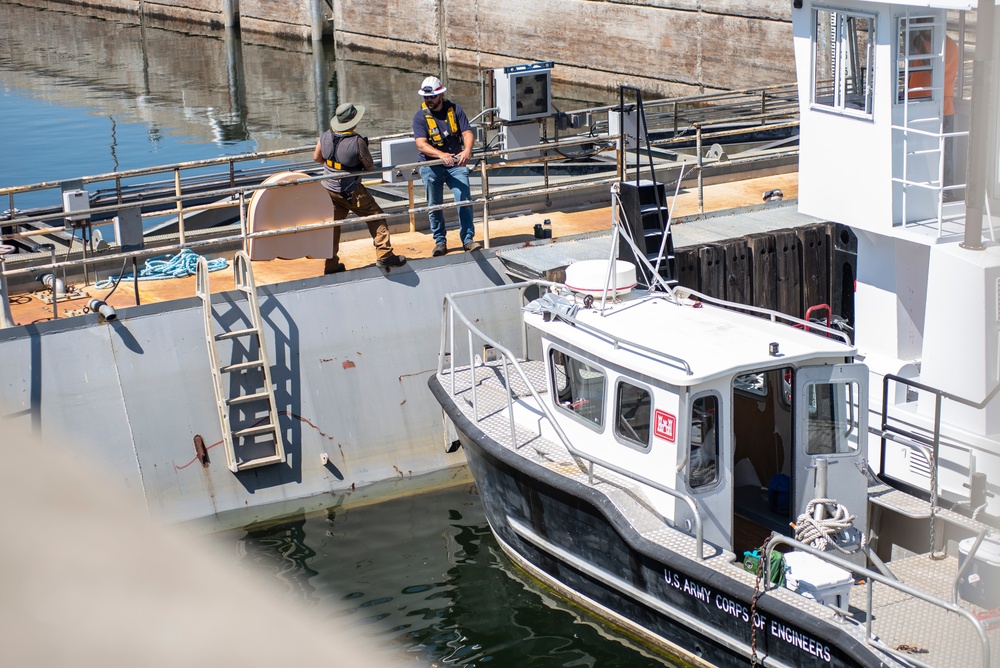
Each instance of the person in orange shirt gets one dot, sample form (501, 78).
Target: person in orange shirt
(952, 59)
(921, 79)
(919, 83)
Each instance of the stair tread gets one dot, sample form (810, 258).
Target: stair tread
(257, 396)
(241, 366)
(253, 431)
(235, 333)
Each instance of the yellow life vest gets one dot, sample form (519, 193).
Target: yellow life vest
(433, 132)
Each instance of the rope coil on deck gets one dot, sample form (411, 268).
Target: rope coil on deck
(820, 533)
(183, 264)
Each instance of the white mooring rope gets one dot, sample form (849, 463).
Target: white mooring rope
(820, 533)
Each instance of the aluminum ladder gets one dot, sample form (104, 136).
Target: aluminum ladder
(248, 413)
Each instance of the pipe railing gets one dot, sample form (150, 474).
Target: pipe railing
(929, 447)
(774, 316)
(870, 577)
(451, 311)
(175, 199)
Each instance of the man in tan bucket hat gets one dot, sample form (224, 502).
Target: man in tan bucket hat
(340, 149)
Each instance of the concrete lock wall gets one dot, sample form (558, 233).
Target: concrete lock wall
(666, 47)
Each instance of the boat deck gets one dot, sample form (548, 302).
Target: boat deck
(356, 249)
(900, 622)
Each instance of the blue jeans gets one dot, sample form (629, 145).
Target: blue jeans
(457, 179)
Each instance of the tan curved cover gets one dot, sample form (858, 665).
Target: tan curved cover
(290, 206)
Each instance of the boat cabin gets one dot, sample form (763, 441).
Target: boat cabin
(751, 418)
(887, 97)
(884, 117)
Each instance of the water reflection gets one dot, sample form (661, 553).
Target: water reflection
(424, 575)
(212, 88)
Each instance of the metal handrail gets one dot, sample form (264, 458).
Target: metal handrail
(775, 316)
(619, 342)
(451, 310)
(871, 577)
(914, 440)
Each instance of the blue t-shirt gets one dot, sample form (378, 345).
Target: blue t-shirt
(452, 141)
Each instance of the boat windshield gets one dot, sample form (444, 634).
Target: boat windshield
(579, 387)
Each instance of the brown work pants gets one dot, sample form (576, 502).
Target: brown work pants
(361, 203)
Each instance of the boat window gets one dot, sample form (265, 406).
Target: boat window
(843, 52)
(832, 418)
(752, 383)
(704, 454)
(915, 37)
(579, 388)
(633, 414)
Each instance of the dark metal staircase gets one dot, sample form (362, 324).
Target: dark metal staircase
(643, 207)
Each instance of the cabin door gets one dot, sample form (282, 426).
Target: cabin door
(830, 438)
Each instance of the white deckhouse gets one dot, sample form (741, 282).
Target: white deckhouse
(888, 94)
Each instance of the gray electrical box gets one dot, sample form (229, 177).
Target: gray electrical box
(515, 136)
(400, 152)
(76, 200)
(128, 229)
(523, 91)
(627, 124)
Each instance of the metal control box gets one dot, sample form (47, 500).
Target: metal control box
(400, 151)
(627, 124)
(128, 229)
(76, 200)
(515, 136)
(523, 91)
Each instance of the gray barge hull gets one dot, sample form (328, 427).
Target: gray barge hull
(350, 356)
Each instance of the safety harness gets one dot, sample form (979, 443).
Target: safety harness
(434, 133)
(337, 136)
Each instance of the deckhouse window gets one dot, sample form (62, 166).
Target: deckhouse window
(704, 454)
(832, 419)
(843, 53)
(632, 413)
(579, 387)
(914, 60)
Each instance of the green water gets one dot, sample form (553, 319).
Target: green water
(424, 575)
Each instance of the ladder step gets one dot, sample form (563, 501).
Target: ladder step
(248, 397)
(253, 431)
(235, 333)
(242, 366)
(263, 461)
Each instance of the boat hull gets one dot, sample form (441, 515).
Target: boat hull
(570, 537)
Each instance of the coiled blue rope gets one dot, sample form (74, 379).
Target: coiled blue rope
(183, 264)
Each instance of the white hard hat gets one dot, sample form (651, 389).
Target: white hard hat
(431, 86)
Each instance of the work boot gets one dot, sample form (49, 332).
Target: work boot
(391, 261)
(440, 250)
(333, 267)
(472, 246)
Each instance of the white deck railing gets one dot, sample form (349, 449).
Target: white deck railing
(451, 312)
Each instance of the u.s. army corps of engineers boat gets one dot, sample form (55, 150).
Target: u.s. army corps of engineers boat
(648, 451)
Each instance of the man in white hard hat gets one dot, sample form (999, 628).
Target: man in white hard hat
(341, 149)
(442, 132)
